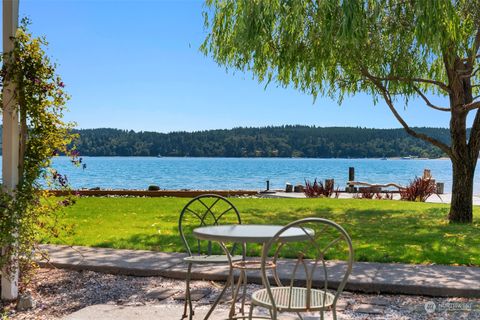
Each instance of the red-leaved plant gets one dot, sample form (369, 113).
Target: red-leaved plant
(418, 190)
(337, 193)
(366, 193)
(317, 189)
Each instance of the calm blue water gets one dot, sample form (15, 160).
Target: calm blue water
(241, 173)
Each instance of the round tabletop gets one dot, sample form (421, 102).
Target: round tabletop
(253, 233)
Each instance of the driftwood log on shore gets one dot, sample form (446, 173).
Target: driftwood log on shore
(360, 183)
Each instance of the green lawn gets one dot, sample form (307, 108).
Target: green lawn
(381, 230)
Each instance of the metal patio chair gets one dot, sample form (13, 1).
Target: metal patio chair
(308, 289)
(201, 211)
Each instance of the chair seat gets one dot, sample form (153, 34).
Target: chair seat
(319, 299)
(205, 259)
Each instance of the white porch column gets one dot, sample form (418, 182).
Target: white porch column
(10, 139)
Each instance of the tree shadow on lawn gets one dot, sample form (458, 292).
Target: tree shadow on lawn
(144, 241)
(393, 235)
(422, 237)
(378, 235)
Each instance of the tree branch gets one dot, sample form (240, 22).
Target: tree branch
(388, 99)
(472, 105)
(468, 59)
(471, 74)
(428, 101)
(410, 80)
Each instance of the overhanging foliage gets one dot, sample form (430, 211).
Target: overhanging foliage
(391, 49)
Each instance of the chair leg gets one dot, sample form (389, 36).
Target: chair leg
(334, 313)
(185, 305)
(273, 313)
(188, 299)
(250, 313)
(235, 295)
(245, 282)
(227, 284)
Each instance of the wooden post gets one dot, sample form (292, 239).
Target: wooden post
(288, 187)
(440, 187)
(351, 174)
(351, 177)
(10, 141)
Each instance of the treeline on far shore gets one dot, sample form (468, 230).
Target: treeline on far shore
(280, 141)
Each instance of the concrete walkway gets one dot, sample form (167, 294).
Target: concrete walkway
(442, 198)
(394, 278)
(113, 312)
(156, 312)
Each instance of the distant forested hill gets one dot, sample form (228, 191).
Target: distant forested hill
(282, 141)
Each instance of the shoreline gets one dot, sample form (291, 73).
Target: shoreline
(444, 198)
(404, 158)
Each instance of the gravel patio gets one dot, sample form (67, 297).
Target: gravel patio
(59, 293)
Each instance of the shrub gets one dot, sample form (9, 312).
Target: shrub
(418, 190)
(337, 193)
(365, 193)
(29, 211)
(387, 195)
(317, 189)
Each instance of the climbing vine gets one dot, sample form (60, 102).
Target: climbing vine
(40, 99)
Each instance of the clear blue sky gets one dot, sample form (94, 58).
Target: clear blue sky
(136, 65)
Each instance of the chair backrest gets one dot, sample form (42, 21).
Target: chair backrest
(324, 239)
(201, 211)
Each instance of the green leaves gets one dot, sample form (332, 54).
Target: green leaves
(321, 47)
(387, 48)
(40, 99)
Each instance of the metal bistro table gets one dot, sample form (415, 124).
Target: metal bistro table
(247, 233)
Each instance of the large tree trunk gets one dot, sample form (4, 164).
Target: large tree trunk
(462, 190)
(463, 169)
(463, 154)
